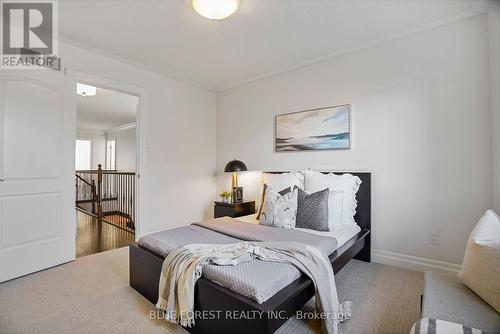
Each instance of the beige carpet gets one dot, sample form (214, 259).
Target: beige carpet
(91, 295)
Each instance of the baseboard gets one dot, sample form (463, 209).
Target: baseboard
(413, 262)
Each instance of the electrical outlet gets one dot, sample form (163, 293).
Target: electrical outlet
(434, 237)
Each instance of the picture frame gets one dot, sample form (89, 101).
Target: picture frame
(237, 195)
(319, 129)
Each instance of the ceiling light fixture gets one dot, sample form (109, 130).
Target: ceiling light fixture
(215, 9)
(85, 90)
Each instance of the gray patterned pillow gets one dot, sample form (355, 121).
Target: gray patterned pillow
(312, 210)
(279, 210)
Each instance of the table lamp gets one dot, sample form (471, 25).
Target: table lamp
(234, 167)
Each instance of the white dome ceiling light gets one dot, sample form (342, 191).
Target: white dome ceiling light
(85, 90)
(215, 9)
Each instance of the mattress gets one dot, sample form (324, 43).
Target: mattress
(257, 280)
(164, 242)
(342, 232)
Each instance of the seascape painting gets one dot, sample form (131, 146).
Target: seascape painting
(317, 129)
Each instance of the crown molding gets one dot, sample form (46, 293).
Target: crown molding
(450, 20)
(153, 69)
(123, 127)
(224, 87)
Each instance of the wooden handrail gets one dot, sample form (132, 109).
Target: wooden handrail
(83, 180)
(117, 172)
(90, 171)
(104, 171)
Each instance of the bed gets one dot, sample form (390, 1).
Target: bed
(258, 287)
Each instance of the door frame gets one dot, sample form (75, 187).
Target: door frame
(140, 93)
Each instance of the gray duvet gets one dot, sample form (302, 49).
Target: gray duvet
(257, 280)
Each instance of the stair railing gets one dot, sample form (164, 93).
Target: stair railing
(112, 194)
(81, 194)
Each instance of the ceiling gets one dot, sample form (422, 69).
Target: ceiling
(106, 110)
(263, 37)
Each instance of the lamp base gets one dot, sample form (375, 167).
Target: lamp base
(234, 180)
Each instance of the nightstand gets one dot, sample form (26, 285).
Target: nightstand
(233, 209)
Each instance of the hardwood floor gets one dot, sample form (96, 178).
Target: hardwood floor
(118, 220)
(92, 237)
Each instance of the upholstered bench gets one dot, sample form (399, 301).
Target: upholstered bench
(446, 297)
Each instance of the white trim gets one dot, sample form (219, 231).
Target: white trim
(110, 166)
(122, 128)
(413, 262)
(141, 93)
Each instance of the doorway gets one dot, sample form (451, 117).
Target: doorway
(105, 168)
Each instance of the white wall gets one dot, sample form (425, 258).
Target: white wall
(98, 139)
(494, 20)
(125, 148)
(421, 125)
(177, 126)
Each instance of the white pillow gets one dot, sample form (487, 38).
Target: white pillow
(342, 197)
(280, 211)
(481, 267)
(278, 182)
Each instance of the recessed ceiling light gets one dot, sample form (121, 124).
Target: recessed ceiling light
(85, 90)
(215, 9)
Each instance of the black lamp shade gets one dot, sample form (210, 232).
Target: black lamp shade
(235, 166)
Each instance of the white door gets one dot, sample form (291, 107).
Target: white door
(37, 143)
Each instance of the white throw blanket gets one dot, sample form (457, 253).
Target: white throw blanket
(182, 268)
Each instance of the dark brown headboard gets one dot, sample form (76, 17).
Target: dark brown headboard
(363, 196)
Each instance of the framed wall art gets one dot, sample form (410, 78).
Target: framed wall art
(316, 129)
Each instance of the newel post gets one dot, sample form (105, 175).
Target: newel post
(99, 193)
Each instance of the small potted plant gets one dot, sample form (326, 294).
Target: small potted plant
(225, 197)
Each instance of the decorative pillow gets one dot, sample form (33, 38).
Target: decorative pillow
(263, 198)
(481, 267)
(312, 210)
(279, 211)
(281, 181)
(342, 198)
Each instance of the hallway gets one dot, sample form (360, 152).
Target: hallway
(92, 237)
